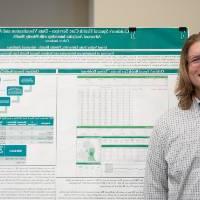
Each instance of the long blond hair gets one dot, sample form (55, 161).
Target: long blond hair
(185, 90)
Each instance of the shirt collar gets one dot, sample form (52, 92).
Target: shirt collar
(197, 100)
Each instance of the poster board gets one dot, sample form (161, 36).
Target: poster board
(77, 107)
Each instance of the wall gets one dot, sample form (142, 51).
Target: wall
(43, 12)
(147, 13)
(101, 13)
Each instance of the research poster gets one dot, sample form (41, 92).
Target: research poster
(77, 108)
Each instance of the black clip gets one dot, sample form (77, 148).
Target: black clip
(183, 29)
(132, 29)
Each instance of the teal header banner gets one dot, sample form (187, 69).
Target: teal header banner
(91, 38)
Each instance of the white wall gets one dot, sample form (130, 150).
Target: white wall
(43, 12)
(101, 13)
(147, 13)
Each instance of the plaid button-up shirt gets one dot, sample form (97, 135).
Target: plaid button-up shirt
(173, 160)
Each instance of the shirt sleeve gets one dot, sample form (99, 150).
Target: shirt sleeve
(156, 179)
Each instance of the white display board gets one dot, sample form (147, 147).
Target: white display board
(77, 108)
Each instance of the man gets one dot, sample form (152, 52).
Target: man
(173, 160)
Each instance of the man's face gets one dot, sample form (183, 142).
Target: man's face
(194, 66)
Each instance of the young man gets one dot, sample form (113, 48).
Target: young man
(173, 160)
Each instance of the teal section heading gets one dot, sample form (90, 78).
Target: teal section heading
(119, 71)
(13, 150)
(24, 71)
(26, 121)
(91, 38)
(95, 52)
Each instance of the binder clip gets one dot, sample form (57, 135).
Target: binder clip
(132, 31)
(183, 30)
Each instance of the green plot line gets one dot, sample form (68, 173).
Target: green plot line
(125, 145)
(115, 127)
(147, 77)
(88, 163)
(120, 137)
